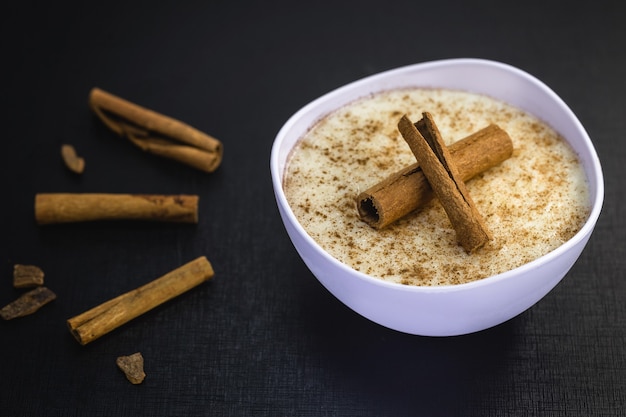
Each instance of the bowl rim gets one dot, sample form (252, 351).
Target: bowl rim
(596, 200)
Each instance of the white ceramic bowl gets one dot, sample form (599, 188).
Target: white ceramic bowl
(455, 309)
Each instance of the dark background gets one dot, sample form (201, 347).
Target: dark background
(264, 337)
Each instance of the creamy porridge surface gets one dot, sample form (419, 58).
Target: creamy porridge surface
(532, 202)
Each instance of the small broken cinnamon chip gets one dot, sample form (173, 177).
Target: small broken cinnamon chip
(132, 366)
(27, 276)
(27, 303)
(72, 161)
(434, 157)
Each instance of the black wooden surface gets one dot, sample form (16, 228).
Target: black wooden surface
(264, 338)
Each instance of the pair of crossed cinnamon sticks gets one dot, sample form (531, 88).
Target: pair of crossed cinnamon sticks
(442, 171)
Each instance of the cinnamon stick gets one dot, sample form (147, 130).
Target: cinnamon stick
(156, 133)
(75, 207)
(434, 157)
(110, 315)
(408, 189)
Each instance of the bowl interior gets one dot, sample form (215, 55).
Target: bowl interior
(495, 79)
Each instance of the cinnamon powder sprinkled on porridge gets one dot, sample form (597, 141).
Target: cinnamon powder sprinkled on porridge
(532, 202)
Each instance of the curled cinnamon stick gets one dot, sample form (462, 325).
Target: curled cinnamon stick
(408, 189)
(434, 157)
(156, 133)
(70, 208)
(110, 315)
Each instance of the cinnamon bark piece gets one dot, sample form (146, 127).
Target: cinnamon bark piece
(72, 161)
(27, 276)
(132, 366)
(78, 207)
(156, 133)
(434, 157)
(408, 189)
(27, 303)
(110, 315)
